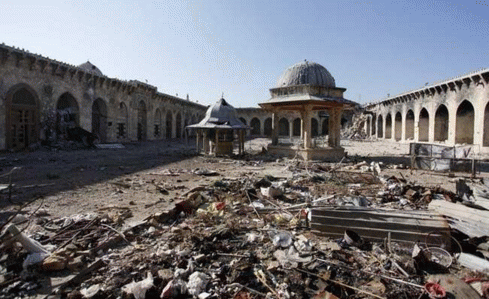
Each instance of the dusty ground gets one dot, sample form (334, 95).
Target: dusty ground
(148, 177)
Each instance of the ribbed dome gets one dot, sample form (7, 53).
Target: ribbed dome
(306, 73)
(90, 68)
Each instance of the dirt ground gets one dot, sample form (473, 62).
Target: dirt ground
(148, 177)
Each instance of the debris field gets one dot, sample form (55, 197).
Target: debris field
(309, 230)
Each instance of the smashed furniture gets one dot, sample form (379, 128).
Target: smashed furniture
(306, 87)
(219, 129)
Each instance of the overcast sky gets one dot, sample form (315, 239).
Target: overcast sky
(240, 48)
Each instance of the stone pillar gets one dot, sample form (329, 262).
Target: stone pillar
(403, 123)
(205, 144)
(452, 120)
(291, 129)
(197, 140)
(431, 127)
(334, 127)
(306, 127)
(275, 128)
(216, 145)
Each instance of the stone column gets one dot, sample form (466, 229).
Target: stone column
(275, 128)
(205, 144)
(197, 139)
(291, 129)
(334, 127)
(216, 146)
(306, 126)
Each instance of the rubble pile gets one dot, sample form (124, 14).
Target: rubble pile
(255, 237)
(357, 129)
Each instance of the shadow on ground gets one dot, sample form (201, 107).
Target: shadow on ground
(46, 172)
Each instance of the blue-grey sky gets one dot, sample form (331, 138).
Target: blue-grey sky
(240, 47)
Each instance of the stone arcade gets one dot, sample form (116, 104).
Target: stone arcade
(454, 111)
(41, 97)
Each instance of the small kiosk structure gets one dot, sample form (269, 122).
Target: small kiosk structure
(219, 131)
(306, 87)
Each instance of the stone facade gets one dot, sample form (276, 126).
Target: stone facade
(39, 96)
(36, 91)
(451, 112)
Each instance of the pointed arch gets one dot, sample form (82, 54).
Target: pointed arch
(296, 127)
(485, 138)
(99, 119)
(325, 127)
(22, 119)
(283, 126)
(409, 131)
(255, 126)
(441, 123)
(243, 121)
(157, 124)
(388, 126)
(464, 128)
(423, 125)
(122, 121)
(314, 127)
(267, 127)
(380, 127)
(398, 127)
(169, 125)
(178, 125)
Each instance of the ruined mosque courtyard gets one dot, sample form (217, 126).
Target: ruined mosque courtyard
(117, 183)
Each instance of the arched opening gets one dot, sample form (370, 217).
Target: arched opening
(380, 127)
(344, 122)
(485, 140)
(142, 121)
(243, 121)
(255, 126)
(122, 121)
(267, 127)
(296, 127)
(157, 124)
(464, 132)
(423, 125)
(388, 126)
(441, 123)
(23, 118)
(398, 126)
(178, 125)
(314, 127)
(67, 115)
(283, 127)
(409, 125)
(374, 125)
(325, 127)
(169, 125)
(99, 119)
(368, 125)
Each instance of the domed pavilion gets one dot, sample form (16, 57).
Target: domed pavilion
(306, 87)
(220, 129)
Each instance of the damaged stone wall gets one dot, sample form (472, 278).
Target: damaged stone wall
(452, 112)
(47, 81)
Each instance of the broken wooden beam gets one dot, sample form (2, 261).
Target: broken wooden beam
(375, 225)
